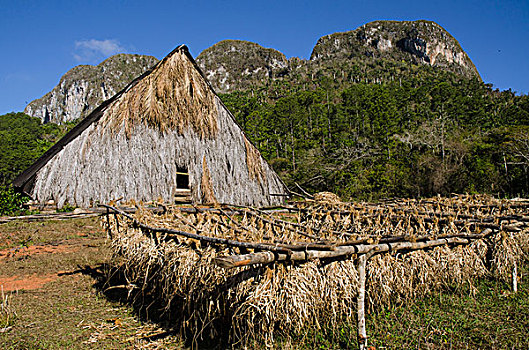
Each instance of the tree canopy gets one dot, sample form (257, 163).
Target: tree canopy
(22, 140)
(425, 135)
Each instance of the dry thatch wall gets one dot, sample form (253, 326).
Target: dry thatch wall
(170, 119)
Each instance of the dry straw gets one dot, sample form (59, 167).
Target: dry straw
(259, 303)
(254, 162)
(208, 195)
(173, 97)
(7, 312)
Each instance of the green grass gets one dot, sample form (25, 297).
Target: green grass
(494, 318)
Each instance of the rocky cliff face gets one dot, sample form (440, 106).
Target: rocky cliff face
(85, 87)
(376, 52)
(234, 65)
(353, 56)
(418, 42)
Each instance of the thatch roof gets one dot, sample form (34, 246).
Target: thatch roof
(133, 145)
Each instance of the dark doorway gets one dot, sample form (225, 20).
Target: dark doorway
(182, 178)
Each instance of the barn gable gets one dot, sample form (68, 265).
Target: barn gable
(142, 142)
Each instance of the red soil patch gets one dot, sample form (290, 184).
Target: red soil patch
(15, 283)
(37, 249)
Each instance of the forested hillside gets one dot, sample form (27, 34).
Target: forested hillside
(388, 109)
(433, 133)
(22, 140)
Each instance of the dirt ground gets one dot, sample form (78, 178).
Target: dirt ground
(51, 286)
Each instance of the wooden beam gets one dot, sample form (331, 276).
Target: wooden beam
(229, 262)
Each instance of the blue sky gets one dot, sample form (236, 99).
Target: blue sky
(42, 40)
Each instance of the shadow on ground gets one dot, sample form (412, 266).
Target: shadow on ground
(112, 283)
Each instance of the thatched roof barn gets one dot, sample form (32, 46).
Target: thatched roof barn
(165, 131)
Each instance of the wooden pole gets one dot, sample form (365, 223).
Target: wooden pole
(515, 278)
(229, 262)
(360, 303)
(109, 229)
(206, 239)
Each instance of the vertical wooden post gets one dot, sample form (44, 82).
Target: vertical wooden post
(515, 278)
(360, 301)
(109, 230)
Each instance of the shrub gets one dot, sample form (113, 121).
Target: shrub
(11, 201)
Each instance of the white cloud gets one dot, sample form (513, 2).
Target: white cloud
(93, 49)
(17, 77)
